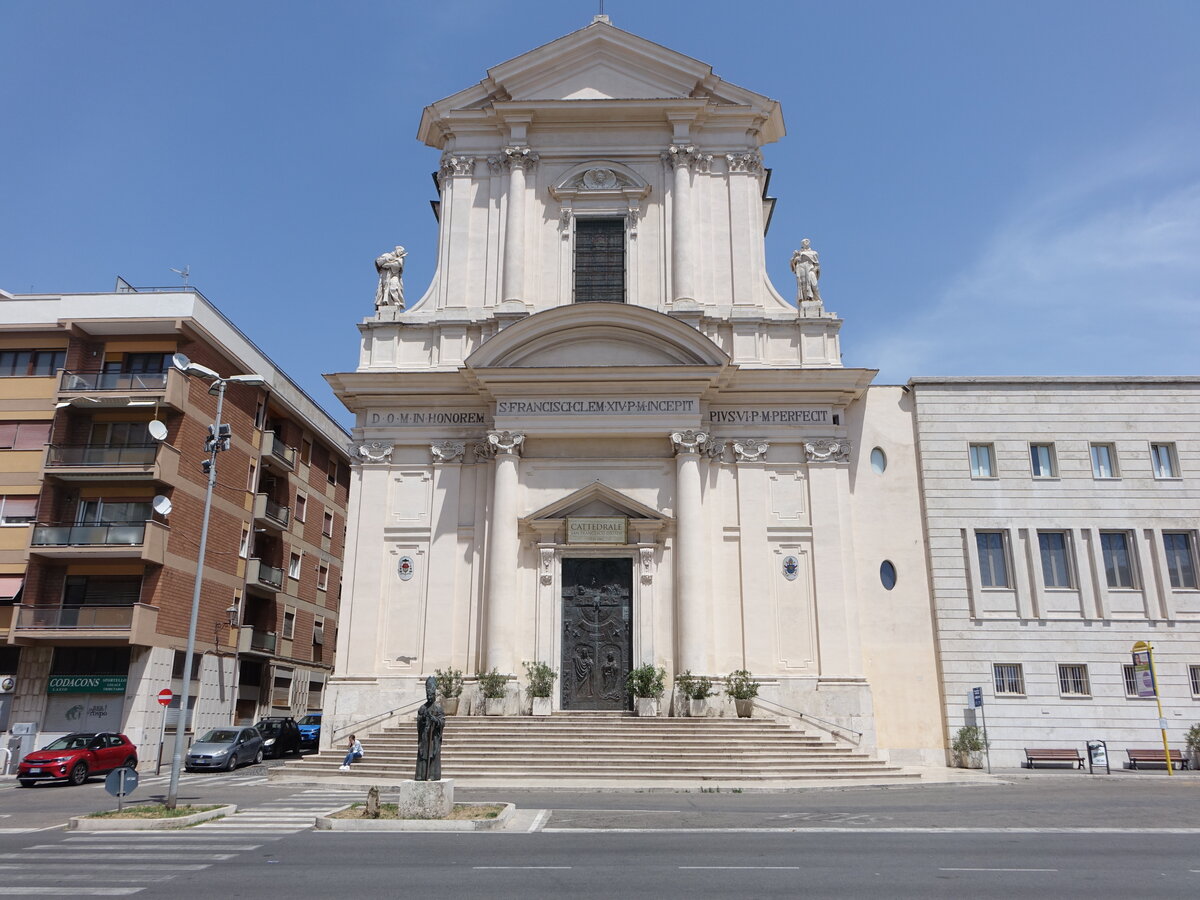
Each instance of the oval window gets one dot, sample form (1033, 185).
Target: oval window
(878, 460)
(887, 575)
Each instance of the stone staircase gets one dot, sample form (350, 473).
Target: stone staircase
(604, 750)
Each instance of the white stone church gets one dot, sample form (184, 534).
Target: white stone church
(603, 438)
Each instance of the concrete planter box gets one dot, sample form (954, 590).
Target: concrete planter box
(971, 760)
(646, 706)
(697, 708)
(83, 823)
(542, 706)
(450, 705)
(493, 706)
(745, 708)
(325, 823)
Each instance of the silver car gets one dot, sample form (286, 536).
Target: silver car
(225, 749)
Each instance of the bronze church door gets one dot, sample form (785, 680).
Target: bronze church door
(597, 644)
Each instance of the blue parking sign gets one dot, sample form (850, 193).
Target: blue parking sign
(977, 697)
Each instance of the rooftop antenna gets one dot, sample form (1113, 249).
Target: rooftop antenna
(183, 273)
(600, 16)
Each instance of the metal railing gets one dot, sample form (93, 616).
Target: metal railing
(833, 728)
(269, 575)
(72, 617)
(114, 534)
(277, 512)
(102, 454)
(282, 451)
(113, 381)
(263, 641)
(376, 719)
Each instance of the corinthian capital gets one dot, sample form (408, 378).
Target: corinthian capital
(823, 450)
(688, 441)
(456, 165)
(517, 158)
(686, 155)
(506, 442)
(750, 162)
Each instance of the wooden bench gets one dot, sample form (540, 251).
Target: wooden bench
(1178, 760)
(1074, 757)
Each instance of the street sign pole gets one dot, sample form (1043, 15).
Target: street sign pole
(977, 696)
(1148, 649)
(164, 699)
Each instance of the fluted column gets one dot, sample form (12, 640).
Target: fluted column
(503, 547)
(693, 612)
(682, 158)
(517, 160)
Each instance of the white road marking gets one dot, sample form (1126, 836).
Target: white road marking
(101, 856)
(100, 867)
(739, 868)
(836, 830)
(28, 890)
(988, 869)
(539, 821)
(149, 847)
(87, 876)
(522, 868)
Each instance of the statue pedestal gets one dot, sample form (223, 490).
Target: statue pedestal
(426, 799)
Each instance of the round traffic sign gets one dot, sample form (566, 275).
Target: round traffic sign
(121, 782)
(165, 697)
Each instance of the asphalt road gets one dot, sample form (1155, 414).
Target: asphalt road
(1053, 836)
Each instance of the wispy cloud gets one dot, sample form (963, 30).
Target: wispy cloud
(1094, 271)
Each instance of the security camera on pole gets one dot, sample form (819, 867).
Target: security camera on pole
(219, 438)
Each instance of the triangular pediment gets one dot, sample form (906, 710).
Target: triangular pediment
(597, 499)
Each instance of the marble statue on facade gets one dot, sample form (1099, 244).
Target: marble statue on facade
(390, 267)
(431, 718)
(807, 267)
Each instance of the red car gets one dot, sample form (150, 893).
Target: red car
(76, 757)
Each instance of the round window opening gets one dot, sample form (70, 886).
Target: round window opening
(878, 460)
(887, 575)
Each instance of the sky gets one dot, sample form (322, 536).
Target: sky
(994, 188)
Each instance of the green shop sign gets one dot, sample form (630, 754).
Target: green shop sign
(87, 684)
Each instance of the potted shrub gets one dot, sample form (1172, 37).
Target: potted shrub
(696, 689)
(1192, 740)
(449, 685)
(541, 683)
(969, 744)
(646, 684)
(493, 686)
(742, 689)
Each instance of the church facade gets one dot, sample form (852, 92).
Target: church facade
(602, 438)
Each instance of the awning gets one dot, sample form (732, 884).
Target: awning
(10, 586)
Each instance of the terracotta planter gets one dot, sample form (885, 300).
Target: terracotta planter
(646, 706)
(450, 705)
(493, 706)
(745, 708)
(697, 708)
(542, 706)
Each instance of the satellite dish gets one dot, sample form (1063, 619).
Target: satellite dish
(158, 430)
(162, 505)
(179, 361)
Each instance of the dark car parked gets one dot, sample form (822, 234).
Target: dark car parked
(310, 732)
(76, 757)
(280, 735)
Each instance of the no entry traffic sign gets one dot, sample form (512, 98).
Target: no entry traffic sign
(165, 696)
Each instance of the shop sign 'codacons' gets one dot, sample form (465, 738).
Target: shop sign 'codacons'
(86, 684)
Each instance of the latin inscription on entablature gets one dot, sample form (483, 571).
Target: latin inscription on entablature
(768, 415)
(426, 417)
(599, 406)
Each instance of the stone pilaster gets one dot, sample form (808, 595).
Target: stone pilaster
(693, 606)
(500, 638)
(517, 160)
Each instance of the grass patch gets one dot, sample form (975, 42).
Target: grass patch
(153, 811)
(461, 811)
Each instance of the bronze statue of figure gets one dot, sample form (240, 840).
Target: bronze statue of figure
(431, 718)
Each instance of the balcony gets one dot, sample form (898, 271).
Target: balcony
(251, 640)
(6, 620)
(134, 624)
(270, 513)
(113, 462)
(277, 454)
(146, 541)
(109, 389)
(260, 575)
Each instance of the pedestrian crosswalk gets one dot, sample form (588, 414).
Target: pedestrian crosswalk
(286, 815)
(248, 777)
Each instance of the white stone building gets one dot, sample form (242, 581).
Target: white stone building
(1062, 516)
(603, 438)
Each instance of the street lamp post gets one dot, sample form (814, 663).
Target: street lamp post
(218, 440)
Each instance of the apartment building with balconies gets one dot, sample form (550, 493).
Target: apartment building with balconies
(100, 516)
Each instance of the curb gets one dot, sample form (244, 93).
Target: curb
(85, 823)
(325, 823)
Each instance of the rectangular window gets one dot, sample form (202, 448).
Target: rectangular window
(306, 452)
(1118, 566)
(1181, 559)
(244, 546)
(1056, 567)
(993, 559)
(24, 435)
(318, 636)
(322, 578)
(983, 461)
(1194, 678)
(1129, 675)
(331, 469)
(252, 479)
(327, 525)
(1009, 679)
(599, 260)
(294, 566)
(281, 690)
(41, 363)
(289, 624)
(260, 414)
(301, 505)
(1104, 461)
(1162, 458)
(1073, 681)
(1041, 458)
(17, 510)
(102, 590)
(145, 363)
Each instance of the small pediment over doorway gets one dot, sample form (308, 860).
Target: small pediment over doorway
(549, 524)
